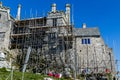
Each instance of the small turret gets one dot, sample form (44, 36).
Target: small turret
(53, 7)
(83, 25)
(68, 12)
(18, 12)
(0, 4)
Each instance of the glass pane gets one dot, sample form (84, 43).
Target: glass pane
(88, 41)
(82, 41)
(85, 41)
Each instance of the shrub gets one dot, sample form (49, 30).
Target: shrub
(3, 69)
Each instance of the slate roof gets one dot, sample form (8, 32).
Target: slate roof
(86, 32)
(3, 7)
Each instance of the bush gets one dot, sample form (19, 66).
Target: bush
(3, 69)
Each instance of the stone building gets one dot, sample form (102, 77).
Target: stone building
(55, 38)
(5, 25)
(92, 52)
(6, 22)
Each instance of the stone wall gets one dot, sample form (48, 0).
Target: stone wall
(93, 56)
(5, 26)
(60, 21)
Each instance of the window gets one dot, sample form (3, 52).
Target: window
(54, 22)
(0, 16)
(82, 41)
(86, 41)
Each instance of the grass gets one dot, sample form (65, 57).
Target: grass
(4, 74)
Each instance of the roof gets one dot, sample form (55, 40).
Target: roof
(60, 11)
(37, 18)
(4, 7)
(86, 32)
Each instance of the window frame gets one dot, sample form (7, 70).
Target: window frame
(54, 22)
(85, 41)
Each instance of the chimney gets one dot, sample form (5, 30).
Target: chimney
(68, 13)
(53, 7)
(18, 12)
(0, 4)
(83, 25)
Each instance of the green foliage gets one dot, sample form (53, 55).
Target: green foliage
(109, 76)
(4, 74)
(3, 69)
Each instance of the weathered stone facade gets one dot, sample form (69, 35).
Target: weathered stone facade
(6, 22)
(92, 52)
(55, 34)
(5, 27)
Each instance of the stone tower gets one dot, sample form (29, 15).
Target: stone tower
(58, 18)
(5, 25)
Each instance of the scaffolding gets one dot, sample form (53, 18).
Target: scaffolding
(49, 45)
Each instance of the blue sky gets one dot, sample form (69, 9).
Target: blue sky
(104, 14)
